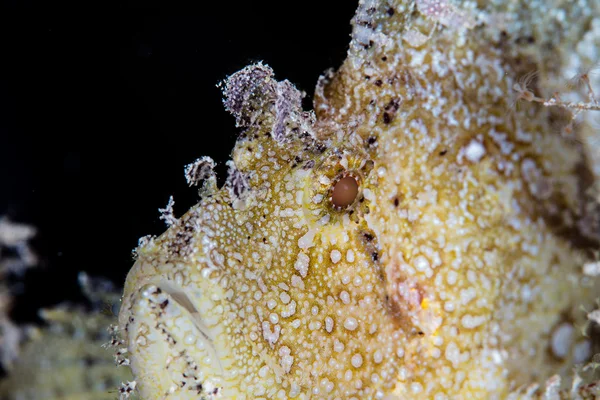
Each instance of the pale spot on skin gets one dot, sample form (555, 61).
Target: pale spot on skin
(329, 324)
(474, 151)
(562, 338)
(350, 323)
(350, 256)
(356, 360)
(336, 256)
(301, 264)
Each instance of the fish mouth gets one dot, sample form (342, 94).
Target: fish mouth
(174, 335)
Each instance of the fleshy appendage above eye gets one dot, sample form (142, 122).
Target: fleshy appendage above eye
(335, 188)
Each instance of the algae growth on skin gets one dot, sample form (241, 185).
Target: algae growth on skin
(415, 236)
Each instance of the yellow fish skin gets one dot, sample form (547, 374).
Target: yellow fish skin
(451, 268)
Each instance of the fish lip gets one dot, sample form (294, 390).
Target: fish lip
(134, 281)
(138, 282)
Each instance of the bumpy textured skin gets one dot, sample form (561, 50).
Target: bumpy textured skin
(452, 271)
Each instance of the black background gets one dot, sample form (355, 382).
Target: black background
(93, 187)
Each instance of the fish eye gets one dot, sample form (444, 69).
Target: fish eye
(344, 192)
(334, 191)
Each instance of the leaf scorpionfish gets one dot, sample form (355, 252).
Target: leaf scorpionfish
(408, 238)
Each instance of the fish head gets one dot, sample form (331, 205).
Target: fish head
(271, 285)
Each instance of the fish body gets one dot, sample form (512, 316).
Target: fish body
(453, 271)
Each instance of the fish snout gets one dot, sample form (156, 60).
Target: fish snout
(171, 324)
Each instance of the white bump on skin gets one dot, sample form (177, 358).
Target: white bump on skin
(421, 263)
(271, 336)
(357, 360)
(452, 354)
(329, 387)
(562, 338)
(470, 322)
(263, 371)
(416, 388)
(324, 180)
(274, 318)
(299, 196)
(474, 151)
(297, 282)
(377, 357)
(582, 352)
(301, 264)
(369, 195)
(345, 297)
(306, 241)
(466, 295)
(285, 298)
(351, 323)
(329, 324)
(451, 277)
(350, 256)
(336, 256)
(289, 310)
(324, 219)
(190, 339)
(344, 162)
(348, 375)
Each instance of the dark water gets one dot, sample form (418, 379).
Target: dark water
(88, 156)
